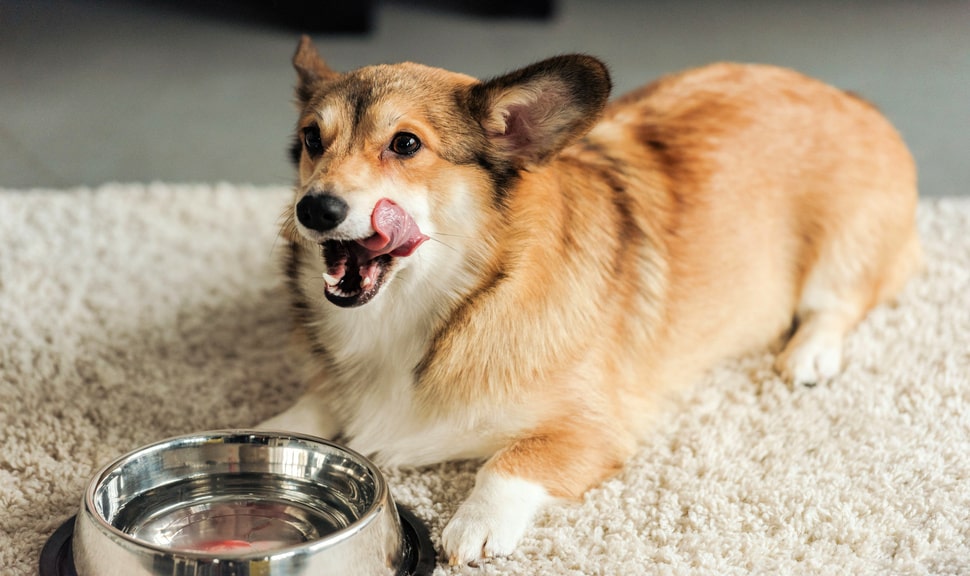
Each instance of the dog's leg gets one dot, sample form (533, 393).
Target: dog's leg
(515, 483)
(310, 415)
(836, 295)
(832, 300)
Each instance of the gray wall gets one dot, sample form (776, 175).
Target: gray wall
(137, 91)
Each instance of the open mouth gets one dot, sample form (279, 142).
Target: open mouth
(353, 276)
(358, 269)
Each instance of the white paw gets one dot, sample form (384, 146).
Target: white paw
(307, 416)
(812, 360)
(493, 519)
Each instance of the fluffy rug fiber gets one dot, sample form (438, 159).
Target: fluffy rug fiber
(132, 313)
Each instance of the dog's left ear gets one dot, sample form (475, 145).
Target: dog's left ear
(531, 114)
(311, 69)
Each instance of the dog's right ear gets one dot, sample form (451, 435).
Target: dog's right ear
(311, 69)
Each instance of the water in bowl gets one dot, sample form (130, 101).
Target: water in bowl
(235, 513)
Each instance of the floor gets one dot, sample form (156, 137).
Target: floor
(93, 91)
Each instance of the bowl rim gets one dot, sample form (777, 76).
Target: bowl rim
(89, 509)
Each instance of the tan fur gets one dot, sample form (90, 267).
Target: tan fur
(775, 175)
(694, 221)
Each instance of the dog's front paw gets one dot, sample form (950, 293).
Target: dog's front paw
(475, 534)
(493, 519)
(309, 415)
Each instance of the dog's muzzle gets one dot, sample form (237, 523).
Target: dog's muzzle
(357, 269)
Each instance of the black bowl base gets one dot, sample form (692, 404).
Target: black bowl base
(57, 557)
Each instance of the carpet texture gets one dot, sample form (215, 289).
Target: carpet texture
(133, 313)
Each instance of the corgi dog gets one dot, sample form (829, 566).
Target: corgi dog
(517, 270)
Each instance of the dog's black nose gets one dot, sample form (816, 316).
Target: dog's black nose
(321, 212)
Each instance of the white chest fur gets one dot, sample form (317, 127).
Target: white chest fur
(369, 389)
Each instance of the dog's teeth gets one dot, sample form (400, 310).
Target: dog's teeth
(365, 282)
(341, 294)
(330, 280)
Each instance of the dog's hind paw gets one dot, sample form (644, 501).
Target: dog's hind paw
(493, 519)
(808, 361)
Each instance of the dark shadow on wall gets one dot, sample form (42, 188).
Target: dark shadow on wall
(343, 16)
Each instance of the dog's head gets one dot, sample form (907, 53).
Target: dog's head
(390, 156)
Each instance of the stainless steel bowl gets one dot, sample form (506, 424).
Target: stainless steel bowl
(239, 503)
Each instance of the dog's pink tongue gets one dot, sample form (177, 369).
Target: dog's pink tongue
(395, 232)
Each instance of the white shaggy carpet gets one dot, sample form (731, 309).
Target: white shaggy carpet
(133, 313)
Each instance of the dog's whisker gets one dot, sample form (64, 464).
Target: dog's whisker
(445, 244)
(276, 242)
(279, 233)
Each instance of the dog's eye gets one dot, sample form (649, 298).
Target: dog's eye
(312, 141)
(405, 144)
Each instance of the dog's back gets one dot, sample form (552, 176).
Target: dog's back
(768, 195)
